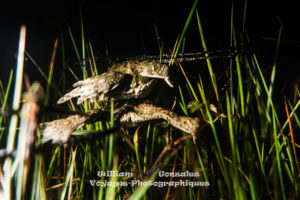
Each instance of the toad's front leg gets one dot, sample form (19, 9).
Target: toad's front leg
(93, 87)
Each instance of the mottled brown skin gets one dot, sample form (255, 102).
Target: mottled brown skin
(59, 131)
(143, 69)
(94, 87)
(144, 75)
(146, 112)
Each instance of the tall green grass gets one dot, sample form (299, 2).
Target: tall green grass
(244, 151)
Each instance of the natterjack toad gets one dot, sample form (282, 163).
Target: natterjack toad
(125, 80)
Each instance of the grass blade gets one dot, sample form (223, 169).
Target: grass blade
(73, 42)
(277, 150)
(185, 28)
(209, 65)
(6, 97)
(68, 179)
(292, 137)
(50, 75)
(14, 118)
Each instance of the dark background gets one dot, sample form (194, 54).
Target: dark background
(127, 28)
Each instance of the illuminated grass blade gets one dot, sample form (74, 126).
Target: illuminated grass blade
(136, 147)
(95, 70)
(68, 180)
(182, 103)
(50, 75)
(185, 28)
(83, 47)
(74, 44)
(278, 159)
(189, 84)
(14, 119)
(209, 65)
(6, 96)
(292, 137)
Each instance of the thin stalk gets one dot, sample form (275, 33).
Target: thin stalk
(189, 83)
(50, 75)
(93, 60)
(240, 84)
(244, 15)
(84, 170)
(6, 96)
(73, 42)
(14, 119)
(68, 180)
(146, 148)
(185, 28)
(159, 43)
(201, 164)
(231, 135)
(136, 147)
(209, 65)
(231, 61)
(270, 91)
(83, 47)
(182, 103)
(292, 137)
(277, 150)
